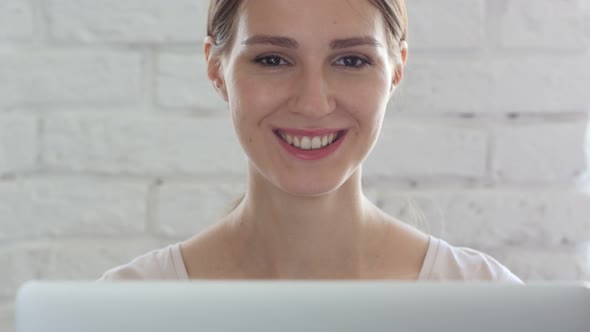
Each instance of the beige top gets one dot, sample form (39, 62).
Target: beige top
(442, 262)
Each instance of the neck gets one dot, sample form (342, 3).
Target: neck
(305, 237)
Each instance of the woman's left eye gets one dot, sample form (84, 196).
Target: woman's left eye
(353, 62)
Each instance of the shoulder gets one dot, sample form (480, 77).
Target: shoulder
(160, 264)
(447, 262)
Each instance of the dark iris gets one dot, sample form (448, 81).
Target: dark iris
(353, 62)
(271, 60)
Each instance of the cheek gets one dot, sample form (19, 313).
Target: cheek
(366, 102)
(366, 98)
(251, 100)
(254, 96)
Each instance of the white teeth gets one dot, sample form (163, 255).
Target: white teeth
(308, 143)
(316, 143)
(305, 143)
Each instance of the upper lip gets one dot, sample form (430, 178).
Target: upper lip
(309, 132)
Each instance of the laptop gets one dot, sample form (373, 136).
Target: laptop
(301, 306)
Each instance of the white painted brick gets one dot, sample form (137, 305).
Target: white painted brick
(445, 24)
(18, 142)
(432, 84)
(48, 77)
(182, 82)
(511, 84)
(546, 264)
(495, 217)
(20, 265)
(67, 260)
(406, 149)
(540, 84)
(7, 317)
(90, 259)
(422, 210)
(33, 208)
(554, 25)
(186, 209)
(16, 20)
(134, 21)
(519, 217)
(142, 144)
(539, 153)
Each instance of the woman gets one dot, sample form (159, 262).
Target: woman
(307, 83)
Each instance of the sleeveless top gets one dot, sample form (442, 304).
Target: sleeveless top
(442, 262)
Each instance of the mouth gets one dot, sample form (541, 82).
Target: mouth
(310, 142)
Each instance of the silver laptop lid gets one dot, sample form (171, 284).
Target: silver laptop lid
(297, 306)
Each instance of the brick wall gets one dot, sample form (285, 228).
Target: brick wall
(108, 123)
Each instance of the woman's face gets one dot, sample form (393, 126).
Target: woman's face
(315, 65)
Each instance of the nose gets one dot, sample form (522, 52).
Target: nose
(311, 95)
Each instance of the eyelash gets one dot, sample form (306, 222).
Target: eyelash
(363, 62)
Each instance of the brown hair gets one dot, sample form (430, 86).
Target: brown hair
(223, 13)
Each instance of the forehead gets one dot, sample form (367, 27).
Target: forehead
(317, 20)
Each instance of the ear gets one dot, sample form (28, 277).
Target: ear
(399, 68)
(214, 68)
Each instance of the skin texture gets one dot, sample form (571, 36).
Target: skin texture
(306, 219)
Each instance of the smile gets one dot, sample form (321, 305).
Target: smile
(309, 142)
(303, 146)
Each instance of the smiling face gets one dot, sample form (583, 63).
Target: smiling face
(298, 75)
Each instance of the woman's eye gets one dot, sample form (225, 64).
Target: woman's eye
(352, 62)
(271, 61)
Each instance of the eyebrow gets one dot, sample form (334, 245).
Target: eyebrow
(287, 42)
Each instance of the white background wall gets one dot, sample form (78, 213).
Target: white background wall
(113, 143)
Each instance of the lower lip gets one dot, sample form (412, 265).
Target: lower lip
(312, 154)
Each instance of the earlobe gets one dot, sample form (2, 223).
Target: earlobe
(220, 87)
(399, 69)
(214, 68)
(398, 75)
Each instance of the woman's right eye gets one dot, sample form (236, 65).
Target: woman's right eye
(271, 61)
